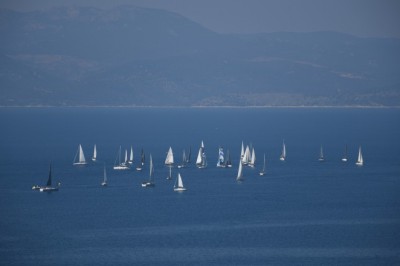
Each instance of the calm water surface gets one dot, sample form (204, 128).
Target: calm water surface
(301, 212)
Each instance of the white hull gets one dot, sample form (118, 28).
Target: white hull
(94, 159)
(48, 189)
(359, 163)
(282, 158)
(104, 184)
(262, 173)
(344, 159)
(148, 184)
(178, 189)
(78, 163)
(121, 167)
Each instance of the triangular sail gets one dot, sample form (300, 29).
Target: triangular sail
(49, 179)
(283, 154)
(105, 176)
(94, 153)
(126, 156)
(151, 169)
(81, 155)
(180, 183)
(253, 158)
(240, 174)
(360, 160)
(221, 158)
(264, 164)
(131, 155)
(199, 157)
(169, 160)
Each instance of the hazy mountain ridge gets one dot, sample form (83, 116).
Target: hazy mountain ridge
(140, 57)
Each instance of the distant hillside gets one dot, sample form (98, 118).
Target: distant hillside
(148, 57)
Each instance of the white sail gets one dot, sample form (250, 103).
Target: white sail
(321, 155)
(199, 157)
(104, 183)
(131, 156)
(221, 158)
(240, 174)
(126, 156)
(151, 168)
(263, 169)
(283, 154)
(360, 160)
(169, 160)
(179, 184)
(94, 158)
(253, 159)
(201, 161)
(247, 156)
(79, 157)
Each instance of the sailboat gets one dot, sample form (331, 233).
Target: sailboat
(48, 187)
(228, 162)
(184, 160)
(131, 156)
(104, 183)
(221, 159)
(79, 157)
(150, 182)
(263, 169)
(94, 158)
(321, 155)
(142, 160)
(179, 184)
(118, 165)
(240, 172)
(201, 161)
(283, 154)
(360, 160)
(344, 159)
(169, 160)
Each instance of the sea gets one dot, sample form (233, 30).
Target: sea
(301, 212)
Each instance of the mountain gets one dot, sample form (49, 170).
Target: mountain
(148, 57)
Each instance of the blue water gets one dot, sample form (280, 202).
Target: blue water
(301, 213)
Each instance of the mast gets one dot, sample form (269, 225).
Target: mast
(190, 154)
(143, 157)
(49, 180)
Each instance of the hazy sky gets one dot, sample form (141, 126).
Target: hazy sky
(375, 18)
